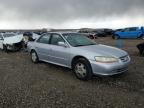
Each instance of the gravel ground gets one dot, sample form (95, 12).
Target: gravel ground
(27, 85)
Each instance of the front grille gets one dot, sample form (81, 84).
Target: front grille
(124, 58)
(122, 69)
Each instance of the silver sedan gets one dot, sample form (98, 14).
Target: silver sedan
(75, 51)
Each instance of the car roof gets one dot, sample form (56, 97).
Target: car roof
(65, 33)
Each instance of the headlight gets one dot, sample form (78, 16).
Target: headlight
(106, 59)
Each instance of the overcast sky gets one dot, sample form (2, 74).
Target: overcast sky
(27, 14)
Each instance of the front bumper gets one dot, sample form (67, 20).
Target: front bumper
(14, 47)
(107, 69)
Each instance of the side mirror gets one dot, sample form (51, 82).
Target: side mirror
(62, 44)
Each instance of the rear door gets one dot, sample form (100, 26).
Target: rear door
(125, 33)
(43, 48)
(122, 33)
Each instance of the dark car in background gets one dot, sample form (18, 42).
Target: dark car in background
(97, 32)
(89, 34)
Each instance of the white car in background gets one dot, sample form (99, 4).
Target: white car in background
(10, 41)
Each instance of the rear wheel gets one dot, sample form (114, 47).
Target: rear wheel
(34, 57)
(82, 69)
(5, 48)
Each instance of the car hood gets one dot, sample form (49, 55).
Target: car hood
(13, 39)
(104, 50)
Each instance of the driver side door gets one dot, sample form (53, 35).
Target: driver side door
(59, 54)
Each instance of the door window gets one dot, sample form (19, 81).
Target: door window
(44, 39)
(126, 30)
(55, 39)
(132, 29)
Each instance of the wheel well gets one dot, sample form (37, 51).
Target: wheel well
(77, 57)
(117, 35)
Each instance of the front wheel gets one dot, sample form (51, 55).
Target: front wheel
(34, 57)
(116, 37)
(82, 69)
(142, 36)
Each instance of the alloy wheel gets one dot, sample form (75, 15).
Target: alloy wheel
(80, 70)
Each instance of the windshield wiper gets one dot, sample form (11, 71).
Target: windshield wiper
(84, 45)
(91, 44)
(79, 45)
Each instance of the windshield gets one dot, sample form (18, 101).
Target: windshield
(76, 39)
(8, 35)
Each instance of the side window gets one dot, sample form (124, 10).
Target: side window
(44, 39)
(122, 30)
(55, 39)
(126, 30)
(132, 29)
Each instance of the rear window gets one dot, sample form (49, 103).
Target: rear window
(133, 29)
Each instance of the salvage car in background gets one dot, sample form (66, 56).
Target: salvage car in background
(10, 41)
(75, 51)
(30, 36)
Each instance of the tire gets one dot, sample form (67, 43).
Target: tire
(113, 37)
(34, 57)
(116, 37)
(142, 36)
(82, 69)
(5, 48)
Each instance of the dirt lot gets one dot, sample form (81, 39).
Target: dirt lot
(27, 85)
